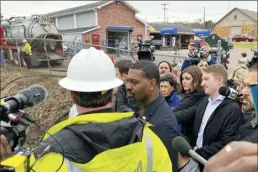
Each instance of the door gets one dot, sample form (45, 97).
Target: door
(236, 30)
(95, 40)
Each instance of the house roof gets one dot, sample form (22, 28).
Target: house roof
(88, 7)
(181, 29)
(251, 14)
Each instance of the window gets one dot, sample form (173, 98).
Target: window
(253, 33)
(235, 17)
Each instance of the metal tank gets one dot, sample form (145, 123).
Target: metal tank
(32, 28)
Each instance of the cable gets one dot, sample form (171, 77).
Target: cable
(62, 149)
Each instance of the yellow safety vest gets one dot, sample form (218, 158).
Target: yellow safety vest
(149, 155)
(26, 49)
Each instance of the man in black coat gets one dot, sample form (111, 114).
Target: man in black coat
(143, 84)
(249, 130)
(215, 118)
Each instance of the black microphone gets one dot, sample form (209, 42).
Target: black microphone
(182, 146)
(228, 92)
(25, 98)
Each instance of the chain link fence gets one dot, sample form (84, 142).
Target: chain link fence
(70, 48)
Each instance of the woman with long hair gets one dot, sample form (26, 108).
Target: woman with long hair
(164, 67)
(191, 89)
(192, 93)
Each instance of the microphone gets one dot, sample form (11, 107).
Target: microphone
(182, 146)
(228, 92)
(27, 97)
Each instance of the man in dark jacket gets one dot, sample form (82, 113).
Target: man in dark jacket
(121, 98)
(215, 118)
(143, 84)
(249, 130)
(189, 62)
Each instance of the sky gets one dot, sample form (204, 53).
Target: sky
(184, 11)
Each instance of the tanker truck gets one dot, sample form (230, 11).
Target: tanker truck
(39, 31)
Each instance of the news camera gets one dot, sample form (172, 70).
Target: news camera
(197, 56)
(146, 50)
(15, 122)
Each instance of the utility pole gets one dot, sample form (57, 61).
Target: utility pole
(164, 11)
(204, 18)
(228, 5)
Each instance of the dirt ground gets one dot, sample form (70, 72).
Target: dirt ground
(47, 112)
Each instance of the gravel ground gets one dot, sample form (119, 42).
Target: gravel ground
(47, 112)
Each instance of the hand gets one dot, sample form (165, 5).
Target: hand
(5, 148)
(237, 157)
(182, 160)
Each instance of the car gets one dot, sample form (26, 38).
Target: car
(240, 38)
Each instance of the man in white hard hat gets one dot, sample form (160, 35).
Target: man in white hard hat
(26, 54)
(98, 139)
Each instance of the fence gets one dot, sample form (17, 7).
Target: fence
(73, 47)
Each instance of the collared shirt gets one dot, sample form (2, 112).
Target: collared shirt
(212, 105)
(73, 111)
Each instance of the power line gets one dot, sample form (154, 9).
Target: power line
(164, 11)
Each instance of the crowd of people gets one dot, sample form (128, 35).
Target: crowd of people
(132, 128)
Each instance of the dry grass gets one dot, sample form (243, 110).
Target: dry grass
(48, 112)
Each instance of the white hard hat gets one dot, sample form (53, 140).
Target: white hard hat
(90, 70)
(24, 40)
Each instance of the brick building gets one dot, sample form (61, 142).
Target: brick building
(100, 23)
(237, 22)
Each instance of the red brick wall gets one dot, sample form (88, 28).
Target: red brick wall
(117, 15)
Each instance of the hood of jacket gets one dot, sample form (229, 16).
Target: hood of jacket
(83, 141)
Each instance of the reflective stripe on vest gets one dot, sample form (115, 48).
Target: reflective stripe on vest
(71, 167)
(149, 150)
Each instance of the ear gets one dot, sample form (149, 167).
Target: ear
(152, 84)
(220, 81)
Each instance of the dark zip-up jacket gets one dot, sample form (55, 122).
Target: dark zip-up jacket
(221, 127)
(188, 101)
(249, 130)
